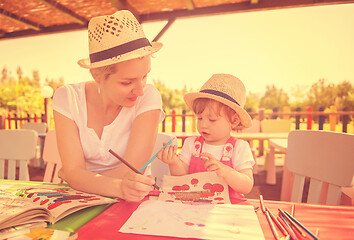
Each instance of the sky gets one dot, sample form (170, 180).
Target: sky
(289, 48)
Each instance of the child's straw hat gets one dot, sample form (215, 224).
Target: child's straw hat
(116, 38)
(226, 89)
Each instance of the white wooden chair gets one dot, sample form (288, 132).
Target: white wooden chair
(52, 158)
(17, 147)
(274, 126)
(41, 129)
(159, 168)
(324, 157)
(256, 127)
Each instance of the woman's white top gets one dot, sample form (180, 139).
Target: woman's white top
(242, 157)
(70, 101)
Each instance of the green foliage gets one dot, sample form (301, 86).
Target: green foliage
(274, 97)
(22, 95)
(252, 102)
(171, 99)
(323, 94)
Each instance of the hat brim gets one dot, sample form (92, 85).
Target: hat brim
(140, 52)
(246, 120)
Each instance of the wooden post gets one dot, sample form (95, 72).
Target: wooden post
(9, 120)
(333, 118)
(183, 120)
(309, 109)
(194, 124)
(286, 109)
(345, 120)
(261, 142)
(2, 122)
(15, 116)
(321, 119)
(173, 113)
(297, 118)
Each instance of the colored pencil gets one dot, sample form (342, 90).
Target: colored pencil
(153, 157)
(292, 210)
(261, 203)
(282, 229)
(275, 233)
(302, 226)
(283, 222)
(128, 165)
(291, 222)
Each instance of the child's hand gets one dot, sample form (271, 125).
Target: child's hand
(211, 164)
(168, 155)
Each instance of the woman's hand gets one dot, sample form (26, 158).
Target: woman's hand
(135, 186)
(168, 155)
(211, 164)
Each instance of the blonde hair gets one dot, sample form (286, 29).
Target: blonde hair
(200, 104)
(103, 73)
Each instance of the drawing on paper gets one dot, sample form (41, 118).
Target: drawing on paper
(202, 221)
(196, 188)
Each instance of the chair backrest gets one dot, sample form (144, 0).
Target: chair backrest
(17, 147)
(40, 127)
(159, 168)
(324, 157)
(51, 158)
(256, 126)
(275, 125)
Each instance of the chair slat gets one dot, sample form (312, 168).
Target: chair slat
(314, 191)
(298, 188)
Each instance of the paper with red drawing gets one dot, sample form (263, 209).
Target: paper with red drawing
(196, 188)
(202, 221)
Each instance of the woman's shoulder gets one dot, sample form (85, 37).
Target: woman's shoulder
(75, 88)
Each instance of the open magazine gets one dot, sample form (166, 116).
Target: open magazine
(32, 202)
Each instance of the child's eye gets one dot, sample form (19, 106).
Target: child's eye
(125, 83)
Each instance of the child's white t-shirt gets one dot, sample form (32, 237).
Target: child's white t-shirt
(70, 100)
(242, 157)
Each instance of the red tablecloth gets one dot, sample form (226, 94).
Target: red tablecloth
(333, 222)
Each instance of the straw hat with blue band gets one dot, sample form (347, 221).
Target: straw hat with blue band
(227, 89)
(116, 38)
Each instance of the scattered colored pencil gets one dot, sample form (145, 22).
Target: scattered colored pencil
(261, 203)
(283, 222)
(153, 157)
(302, 226)
(292, 210)
(275, 233)
(282, 229)
(289, 221)
(128, 165)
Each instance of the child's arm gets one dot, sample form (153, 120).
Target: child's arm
(240, 181)
(176, 165)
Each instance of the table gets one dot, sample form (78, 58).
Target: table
(332, 222)
(274, 144)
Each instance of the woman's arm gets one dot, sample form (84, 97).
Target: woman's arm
(132, 188)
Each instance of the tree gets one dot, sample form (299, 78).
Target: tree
(321, 94)
(274, 97)
(252, 102)
(171, 99)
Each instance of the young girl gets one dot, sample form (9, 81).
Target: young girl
(219, 109)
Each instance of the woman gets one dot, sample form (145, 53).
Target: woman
(116, 111)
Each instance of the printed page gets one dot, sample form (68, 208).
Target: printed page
(206, 221)
(196, 188)
(59, 200)
(15, 211)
